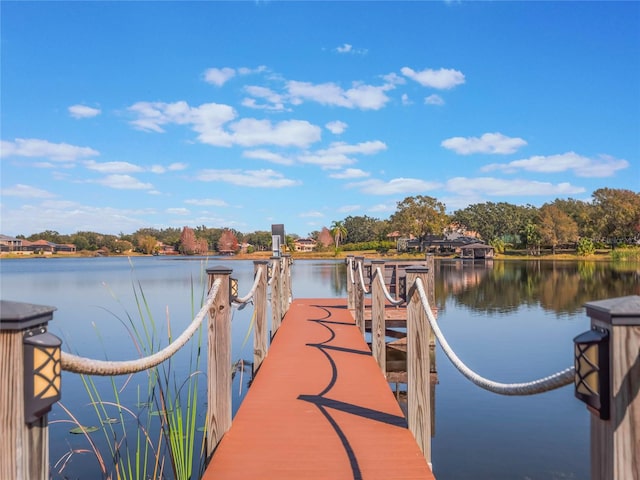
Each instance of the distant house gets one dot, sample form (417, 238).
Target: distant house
(39, 246)
(10, 244)
(477, 251)
(305, 244)
(25, 247)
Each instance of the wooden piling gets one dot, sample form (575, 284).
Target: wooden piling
(351, 303)
(378, 344)
(615, 443)
(276, 300)
(260, 334)
(219, 359)
(418, 363)
(359, 295)
(25, 447)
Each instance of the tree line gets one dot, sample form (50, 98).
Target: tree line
(610, 218)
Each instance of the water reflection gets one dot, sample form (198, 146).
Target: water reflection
(501, 287)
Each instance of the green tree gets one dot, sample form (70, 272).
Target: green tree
(362, 229)
(420, 216)
(617, 214)
(495, 220)
(338, 232)
(146, 243)
(556, 227)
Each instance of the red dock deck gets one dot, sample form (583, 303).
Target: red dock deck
(318, 408)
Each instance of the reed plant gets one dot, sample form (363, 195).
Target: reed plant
(157, 439)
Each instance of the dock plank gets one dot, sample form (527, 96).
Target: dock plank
(318, 408)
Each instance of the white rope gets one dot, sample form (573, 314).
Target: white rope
(364, 288)
(557, 380)
(249, 295)
(392, 300)
(89, 366)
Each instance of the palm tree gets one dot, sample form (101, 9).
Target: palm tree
(339, 232)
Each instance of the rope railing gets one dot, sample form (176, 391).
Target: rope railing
(256, 281)
(557, 380)
(361, 278)
(88, 366)
(392, 300)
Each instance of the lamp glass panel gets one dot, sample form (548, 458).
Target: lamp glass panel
(46, 372)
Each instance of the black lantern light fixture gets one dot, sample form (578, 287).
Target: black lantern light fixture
(42, 372)
(592, 370)
(233, 288)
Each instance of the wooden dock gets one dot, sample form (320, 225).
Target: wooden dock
(319, 408)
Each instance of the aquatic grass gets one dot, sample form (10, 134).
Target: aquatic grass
(176, 401)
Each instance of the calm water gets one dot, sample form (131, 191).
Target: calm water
(509, 321)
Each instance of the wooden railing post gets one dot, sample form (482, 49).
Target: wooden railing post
(219, 359)
(286, 283)
(418, 360)
(359, 295)
(378, 337)
(260, 335)
(615, 443)
(351, 303)
(276, 295)
(25, 446)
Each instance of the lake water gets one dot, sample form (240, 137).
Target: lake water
(509, 321)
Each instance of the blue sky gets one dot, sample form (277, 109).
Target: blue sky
(123, 115)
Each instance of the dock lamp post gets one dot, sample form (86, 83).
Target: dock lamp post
(592, 370)
(42, 372)
(29, 386)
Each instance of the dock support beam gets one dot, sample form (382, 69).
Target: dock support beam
(615, 443)
(25, 446)
(260, 335)
(276, 293)
(378, 343)
(359, 295)
(418, 363)
(351, 302)
(219, 359)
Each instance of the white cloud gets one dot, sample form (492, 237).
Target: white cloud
(442, 79)
(365, 97)
(349, 208)
(275, 100)
(25, 191)
(250, 132)
(382, 207)
(394, 186)
(499, 187)
(365, 148)
(207, 202)
(311, 214)
(336, 127)
(492, 143)
(82, 111)
(268, 156)
(603, 166)
(348, 48)
(209, 119)
(123, 182)
(112, 167)
(69, 217)
(434, 100)
(405, 99)
(177, 211)
(248, 178)
(33, 147)
(219, 76)
(393, 79)
(350, 173)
